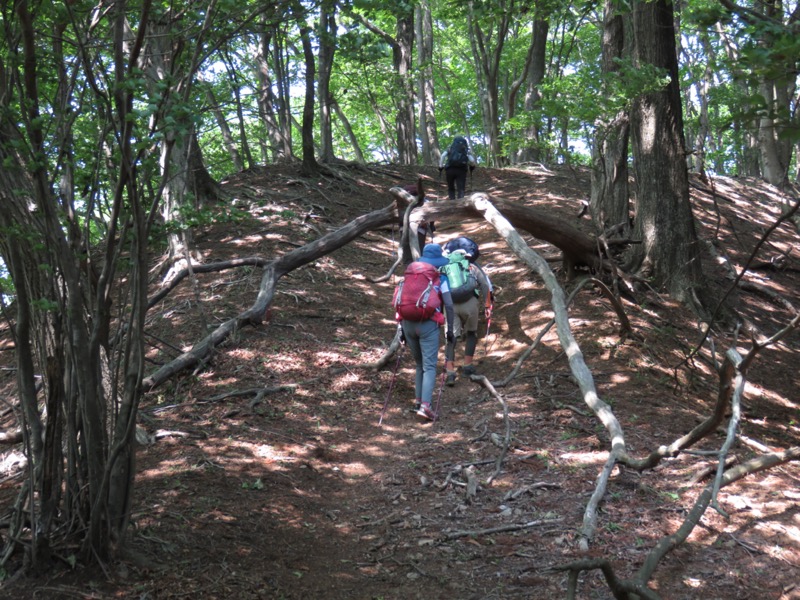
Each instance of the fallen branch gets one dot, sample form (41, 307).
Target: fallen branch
(507, 439)
(273, 271)
(529, 488)
(500, 529)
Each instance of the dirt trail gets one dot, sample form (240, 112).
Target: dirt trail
(299, 494)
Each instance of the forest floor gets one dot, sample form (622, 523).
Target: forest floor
(267, 474)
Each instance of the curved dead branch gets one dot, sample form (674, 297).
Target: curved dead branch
(405, 236)
(582, 374)
(273, 271)
(250, 261)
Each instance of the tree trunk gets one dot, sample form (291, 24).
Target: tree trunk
(282, 101)
(701, 137)
(202, 186)
(426, 94)
(327, 49)
(240, 120)
(669, 253)
(530, 151)
(775, 152)
(487, 62)
(350, 133)
(273, 147)
(609, 200)
(224, 129)
(310, 168)
(403, 56)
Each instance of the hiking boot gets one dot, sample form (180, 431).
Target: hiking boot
(426, 413)
(451, 379)
(468, 370)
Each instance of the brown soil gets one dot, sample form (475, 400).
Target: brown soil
(298, 493)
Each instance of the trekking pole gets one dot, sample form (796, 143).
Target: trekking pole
(391, 385)
(489, 311)
(439, 398)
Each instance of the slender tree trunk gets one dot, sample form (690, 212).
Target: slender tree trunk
(327, 49)
(349, 130)
(273, 147)
(224, 129)
(487, 61)
(426, 94)
(403, 49)
(310, 167)
(282, 102)
(609, 200)
(775, 151)
(240, 120)
(701, 138)
(402, 44)
(748, 158)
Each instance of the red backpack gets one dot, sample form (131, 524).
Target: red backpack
(416, 297)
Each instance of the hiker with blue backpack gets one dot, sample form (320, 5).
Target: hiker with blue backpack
(419, 300)
(470, 288)
(455, 161)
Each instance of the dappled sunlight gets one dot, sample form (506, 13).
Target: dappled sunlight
(283, 363)
(293, 475)
(243, 354)
(327, 358)
(584, 458)
(753, 390)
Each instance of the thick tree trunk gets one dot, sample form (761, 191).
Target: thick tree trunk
(403, 56)
(669, 253)
(530, 152)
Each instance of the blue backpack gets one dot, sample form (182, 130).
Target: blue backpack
(465, 244)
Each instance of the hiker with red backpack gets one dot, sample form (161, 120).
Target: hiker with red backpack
(470, 287)
(455, 161)
(418, 301)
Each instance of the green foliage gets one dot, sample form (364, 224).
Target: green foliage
(45, 305)
(191, 217)
(7, 289)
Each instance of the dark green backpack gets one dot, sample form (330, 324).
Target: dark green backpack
(458, 153)
(462, 283)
